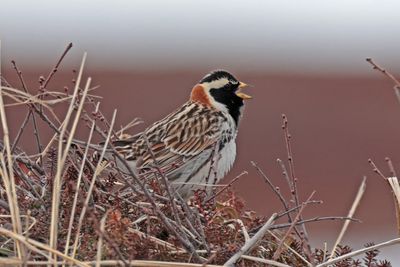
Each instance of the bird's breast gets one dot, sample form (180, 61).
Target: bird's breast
(226, 159)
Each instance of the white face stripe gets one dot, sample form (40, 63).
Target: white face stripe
(216, 84)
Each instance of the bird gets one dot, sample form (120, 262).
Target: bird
(194, 146)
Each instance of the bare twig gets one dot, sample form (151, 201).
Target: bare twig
(35, 244)
(352, 210)
(391, 167)
(275, 189)
(20, 131)
(284, 172)
(214, 162)
(100, 241)
(103, 235)
(7, 174)
(358, 252)
(298, 207)
(375, 169)
(55, 68)
(268, 262)
(35, 127)
(96, 173)
(251, 243)
(133, 123)
(226, 187)
(396, 82)
(291, 249)
(292, 226)
(78, 184)
(315, 219)
(61, 157)
(166, 183)
(133, 263)
(395, 187)
(295, 194)
(4, 205)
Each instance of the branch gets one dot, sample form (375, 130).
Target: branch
(391, 167)
(352, 210)
(396, 82)
(274, 188)
(35, 127)
(268, 262)
(376, 170)
(55, 68)
(295, 194)
(358, 252)
(251, 243)
(315, 219)
(226, 187)
(292, 226)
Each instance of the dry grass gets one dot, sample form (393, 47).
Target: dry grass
(67, 206)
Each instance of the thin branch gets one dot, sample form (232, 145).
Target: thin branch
(61, 157)
(20, 131)
(269, 262)
(103, 235)
(396, 82)
(292, 226)
(360, 251)
(165, 182)
(352, 210)
(55, 68)
(35, 127)
(294, 191)
(391, 167)
(7, 174)
(251, 243)
(284, 172)
(290, 249)
(298, 207)
(133, 263)
(315, 219)
(375, 66)
(275, 189)
(78, 184)
(100, 241)
(36, 244)
(376, 170)
(226, 186)
(89, 193)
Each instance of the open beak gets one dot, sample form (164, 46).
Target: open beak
(241, 94)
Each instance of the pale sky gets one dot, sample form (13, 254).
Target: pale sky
(266, 36)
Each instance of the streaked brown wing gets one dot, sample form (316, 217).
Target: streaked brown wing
(183, 140)
(177, 138)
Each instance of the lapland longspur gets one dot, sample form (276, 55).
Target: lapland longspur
(195, 145)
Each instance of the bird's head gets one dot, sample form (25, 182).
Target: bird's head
(221, 90)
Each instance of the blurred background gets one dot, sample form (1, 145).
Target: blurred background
(305, 59)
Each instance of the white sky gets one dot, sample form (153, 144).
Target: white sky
(272, 36)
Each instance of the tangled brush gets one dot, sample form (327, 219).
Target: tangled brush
(67, 204)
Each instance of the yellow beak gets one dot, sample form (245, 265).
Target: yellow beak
(241, 94)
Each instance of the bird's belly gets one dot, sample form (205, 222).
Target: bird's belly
(205, 178)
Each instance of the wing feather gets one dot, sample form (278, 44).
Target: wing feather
(178, 138)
